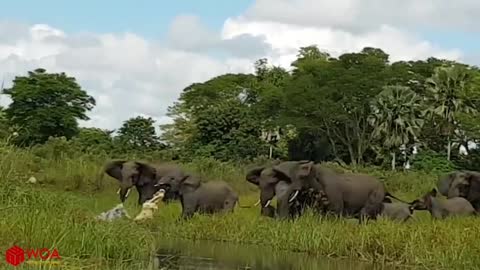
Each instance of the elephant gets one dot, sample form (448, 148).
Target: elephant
(272, 183)
(207, 198)
(397, 211)
(440, 209)
(465, 184)
(138, 174)
(354, 195)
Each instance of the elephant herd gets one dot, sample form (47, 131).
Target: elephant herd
(297, 186)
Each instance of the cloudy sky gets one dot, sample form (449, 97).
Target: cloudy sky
(135, 57)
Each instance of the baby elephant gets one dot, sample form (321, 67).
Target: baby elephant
(195, 196)
(440, 209)
(397, 211)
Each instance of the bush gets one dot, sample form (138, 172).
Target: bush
(433, 162)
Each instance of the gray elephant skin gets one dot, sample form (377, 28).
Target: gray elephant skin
(354, 195)
(397, 211)
(274, 184)
(465, 184)
(440, 209)
(139, 174)
(196, 196)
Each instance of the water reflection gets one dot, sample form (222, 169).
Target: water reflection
(181, 254)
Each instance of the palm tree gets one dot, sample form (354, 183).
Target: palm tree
(447, 89)
(396, 118)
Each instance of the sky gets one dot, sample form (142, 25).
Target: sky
(135, 57)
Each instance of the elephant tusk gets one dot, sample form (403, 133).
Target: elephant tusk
(126, 195)
(268, 203)
(257, 203)
(294, 196)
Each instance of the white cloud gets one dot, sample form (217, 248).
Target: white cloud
(129, 75)
(126, 74)
(359, 15)
(285, 40)
(187, 32)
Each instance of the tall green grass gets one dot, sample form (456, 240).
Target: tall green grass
(59, 212)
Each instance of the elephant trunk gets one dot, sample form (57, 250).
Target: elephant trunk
(126, 185)
(266, 196)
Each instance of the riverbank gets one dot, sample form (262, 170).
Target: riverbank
(65, 220)
(58, 212)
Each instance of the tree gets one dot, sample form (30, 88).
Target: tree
(447, 95)
(228, 131)
(207, 113)
(46, 105)
(94, 140)
(138, 133)
(396, 118)
(332, 96)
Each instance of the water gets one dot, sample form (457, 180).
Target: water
(181, 254)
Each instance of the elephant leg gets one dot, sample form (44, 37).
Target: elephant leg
(189, 207)
(268, 211)
(335, 204)
(374, 206)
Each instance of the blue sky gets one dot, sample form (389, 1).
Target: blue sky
(149, 18)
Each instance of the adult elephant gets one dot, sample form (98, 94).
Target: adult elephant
(465, 184)
(273, 182)
(139, 174)
(354, 195)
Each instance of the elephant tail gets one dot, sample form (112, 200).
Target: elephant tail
(248, 206)
(388, 194)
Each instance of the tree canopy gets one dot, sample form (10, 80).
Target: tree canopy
(46, 105)
(358, 108)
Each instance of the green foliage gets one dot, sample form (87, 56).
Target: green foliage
(397, 119)
(448, 98)
(214, 119)
(94, 140)
(138, 134)
(46, 104)
(357, 109)
(430, 161)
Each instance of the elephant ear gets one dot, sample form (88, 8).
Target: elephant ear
(147, 173)
(444, 182)
(294, 169)
(253, 175)
(286, 169)
(114, 169)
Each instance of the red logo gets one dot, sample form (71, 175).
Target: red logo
(16, 255)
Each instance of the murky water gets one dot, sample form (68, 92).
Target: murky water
(180, 254)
